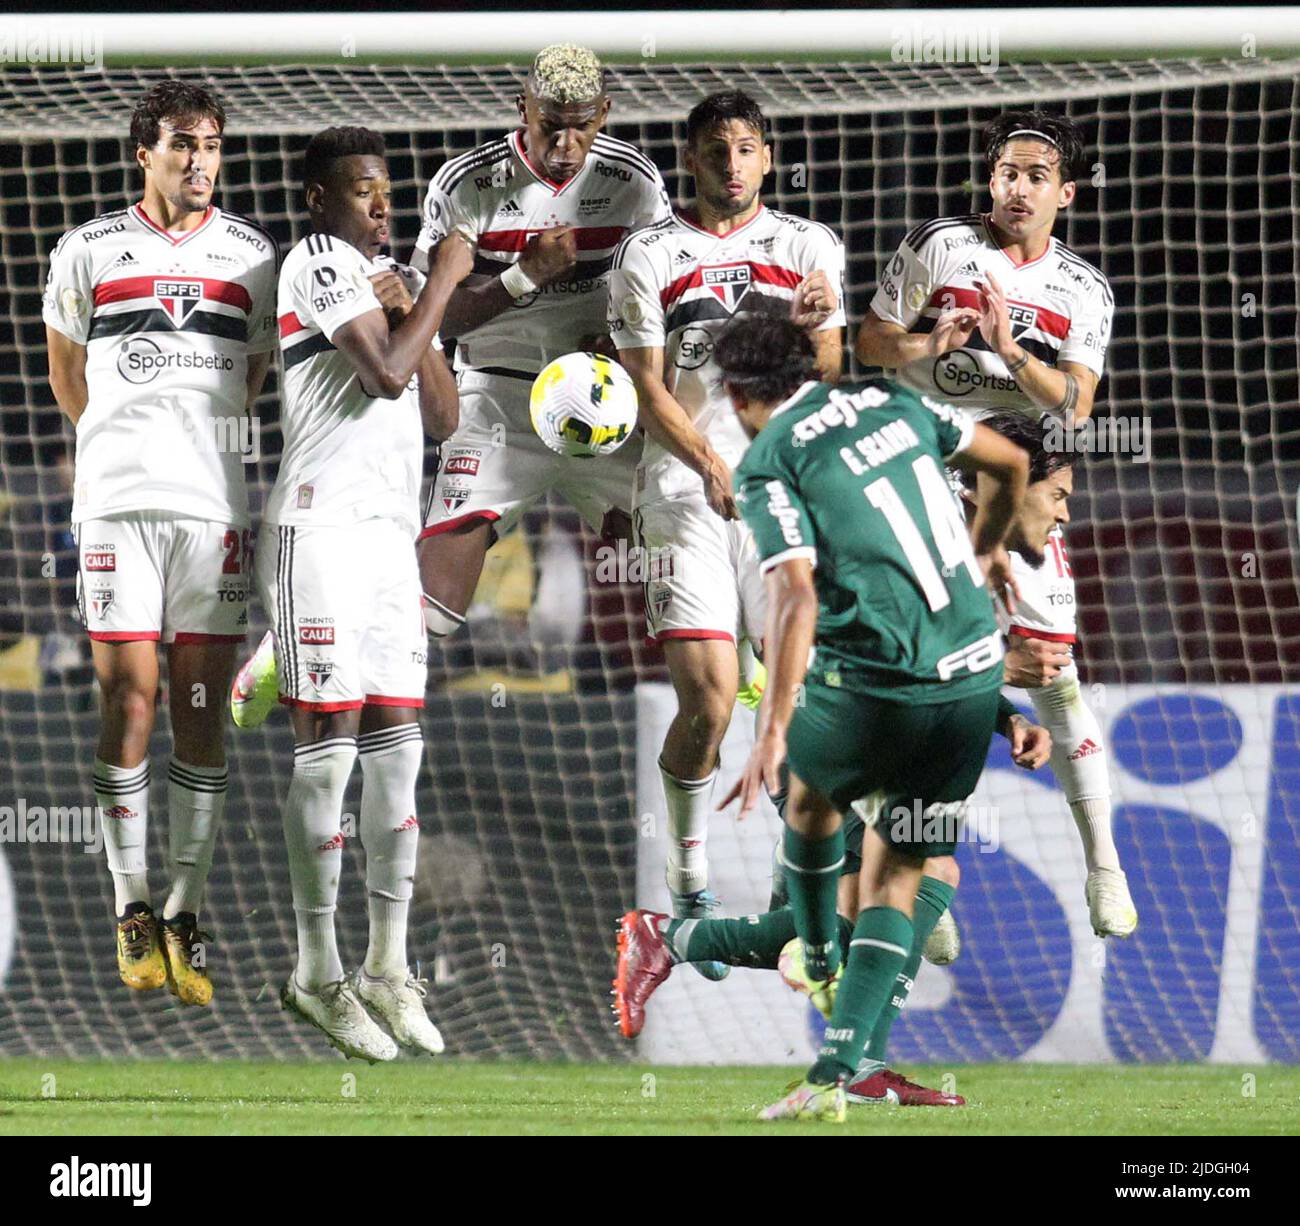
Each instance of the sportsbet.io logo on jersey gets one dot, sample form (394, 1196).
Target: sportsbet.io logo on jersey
(959, 374)
(141, 360)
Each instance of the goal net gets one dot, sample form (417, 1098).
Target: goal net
(540, 806)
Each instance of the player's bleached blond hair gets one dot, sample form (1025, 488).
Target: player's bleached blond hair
(564, 73)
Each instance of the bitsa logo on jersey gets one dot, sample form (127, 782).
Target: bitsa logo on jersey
(728, 282)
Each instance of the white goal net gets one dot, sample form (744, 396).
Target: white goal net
(536, 834)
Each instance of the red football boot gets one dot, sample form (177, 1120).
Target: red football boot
(886, 1086)
(643, 964)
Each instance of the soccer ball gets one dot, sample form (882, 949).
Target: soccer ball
(583, 404)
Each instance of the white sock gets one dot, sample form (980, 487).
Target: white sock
(122, 794)
(196, 799)
(1079, 762)
(313, 819)
(689, 805)
(390, 765)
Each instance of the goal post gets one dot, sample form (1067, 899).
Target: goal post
(539, 801)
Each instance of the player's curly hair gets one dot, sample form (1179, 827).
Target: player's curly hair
(177, 101)
(1060, 130)
(332, 143)
(564, 73)
(764, 356)
(1028, 435)
(721, 107)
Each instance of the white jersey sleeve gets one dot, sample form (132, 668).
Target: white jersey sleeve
(906, 284)
(826, 254)
(263, 335)
(69, 292)
(636, 313)
(441, 213)
(332, 286)
(1089, 333)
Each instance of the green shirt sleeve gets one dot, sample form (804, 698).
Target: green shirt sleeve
(774, 510)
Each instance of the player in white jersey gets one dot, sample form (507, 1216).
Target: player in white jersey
(673, 288)
(336, 572)
(991, 312)
(160, 321)
(545, 206)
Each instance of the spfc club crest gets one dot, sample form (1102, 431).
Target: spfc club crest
(728, 282)
(179, 299)
(101, 600)
(661, 596)
(453, 500)
(1022, 318)
(319, 671)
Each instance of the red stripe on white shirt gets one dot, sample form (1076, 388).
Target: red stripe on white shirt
(959, 296)
(764, 274)
(126, 289)
(289, 324)
(587, 238)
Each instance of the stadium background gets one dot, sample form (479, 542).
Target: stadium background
(1186, 563)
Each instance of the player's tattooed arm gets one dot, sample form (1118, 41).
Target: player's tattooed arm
(67, 360)
(665, 421)
(1066, 390)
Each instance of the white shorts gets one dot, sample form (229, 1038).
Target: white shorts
(344, 603)
(151, 576)
(1045, 609)
(701, 572)
(495, 467)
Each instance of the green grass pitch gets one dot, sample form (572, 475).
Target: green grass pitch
(458, 1098)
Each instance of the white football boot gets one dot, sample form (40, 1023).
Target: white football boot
(341, 1017)
(398, 1002)
(1110, 905)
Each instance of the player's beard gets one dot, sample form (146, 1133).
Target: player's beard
(729, 206)
(1017, 543)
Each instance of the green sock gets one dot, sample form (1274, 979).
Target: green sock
(750, 940)
(882, 938)
(812, 877)
(932, 900)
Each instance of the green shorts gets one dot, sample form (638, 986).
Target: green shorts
(919, 763)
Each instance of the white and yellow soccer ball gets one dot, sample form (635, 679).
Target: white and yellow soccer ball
(583, 404)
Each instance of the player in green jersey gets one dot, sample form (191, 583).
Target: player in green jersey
(863, 548)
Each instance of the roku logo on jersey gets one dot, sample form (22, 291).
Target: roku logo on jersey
(606, 171)
(316, 634)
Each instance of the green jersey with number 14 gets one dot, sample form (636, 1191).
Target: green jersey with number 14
(851, 478)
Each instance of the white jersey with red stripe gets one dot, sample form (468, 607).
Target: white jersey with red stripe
(1045, 607)
(348, 456)
(675, 286)
(168, 321)
(1060, 308)
(498, 199)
